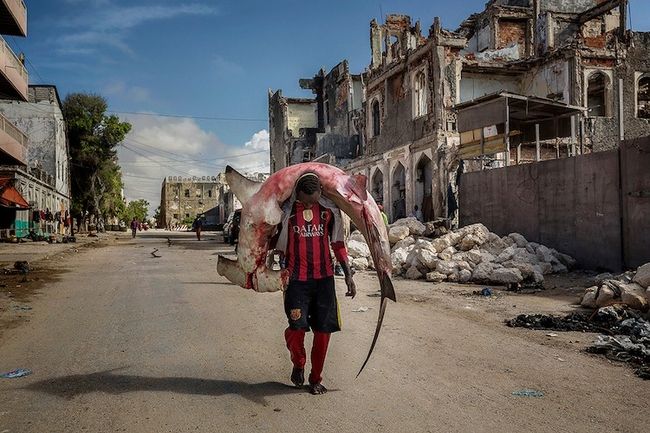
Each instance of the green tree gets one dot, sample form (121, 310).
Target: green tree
(156, 216)
(93, 135)
(137, 209)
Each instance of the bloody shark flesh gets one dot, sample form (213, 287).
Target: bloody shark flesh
(261, 213)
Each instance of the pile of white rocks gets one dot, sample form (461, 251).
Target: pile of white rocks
(471, 253)
(630, 288)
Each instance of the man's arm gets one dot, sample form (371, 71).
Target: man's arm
(341, 254)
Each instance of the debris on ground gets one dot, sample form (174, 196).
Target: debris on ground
(13, 374)
(360, 310)
(626, 334)
(629, 288)
(528, 393)
(469, 254)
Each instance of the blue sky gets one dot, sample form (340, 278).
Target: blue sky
(206, 58)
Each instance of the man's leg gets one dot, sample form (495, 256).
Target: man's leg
(295, 339)
(318, 354)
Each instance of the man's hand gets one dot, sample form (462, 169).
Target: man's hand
(347, 271)
(352, 288)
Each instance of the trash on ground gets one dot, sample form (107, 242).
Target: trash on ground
(360, 310)
(626, 334)
(551, 334)
(19, 372)
(528, 393)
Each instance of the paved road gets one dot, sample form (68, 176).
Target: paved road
(127, 342)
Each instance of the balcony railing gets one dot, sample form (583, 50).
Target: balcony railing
(16, 24)
(17, 149)
(13, 70)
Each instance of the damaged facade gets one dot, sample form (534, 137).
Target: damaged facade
(183, 198)
(326, 127)
(524, 80)
(44, 182)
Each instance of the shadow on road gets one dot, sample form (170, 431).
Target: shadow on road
(71, 386)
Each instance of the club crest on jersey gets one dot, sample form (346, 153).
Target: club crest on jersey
(308, 215)
(295, 314)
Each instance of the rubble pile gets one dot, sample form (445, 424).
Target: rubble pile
(629, 288)
(626, 334)
(471, 253)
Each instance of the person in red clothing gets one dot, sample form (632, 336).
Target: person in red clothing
(311, 224)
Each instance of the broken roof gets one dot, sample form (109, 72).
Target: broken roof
(491, 109)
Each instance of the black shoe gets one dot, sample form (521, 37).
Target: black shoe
(317, 389)
(297, 376)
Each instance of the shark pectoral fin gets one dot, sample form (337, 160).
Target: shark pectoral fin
(387, 292)
(243, 187)
(232, 271)
(380, 319)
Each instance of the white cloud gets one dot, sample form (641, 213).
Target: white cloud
(158, 147)
(225, 67)
(124, 91)
(107, 24)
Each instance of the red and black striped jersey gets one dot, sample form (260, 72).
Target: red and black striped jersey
(308, 250)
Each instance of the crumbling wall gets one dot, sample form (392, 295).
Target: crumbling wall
(637, 63)
(301, 115)
(277, 131)
(564, 6)
(550, 80)
(475, 85)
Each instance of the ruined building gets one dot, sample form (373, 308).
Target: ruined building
(183, 198)
(521, 81)
(325, 127)
(44, 181)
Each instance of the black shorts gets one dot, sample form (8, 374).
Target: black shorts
(312, 304)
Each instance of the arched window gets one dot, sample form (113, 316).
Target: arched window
(375, 118)
(643, 97)
(420, 95)
(598, 95)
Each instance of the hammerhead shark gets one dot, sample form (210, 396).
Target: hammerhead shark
(261, 214)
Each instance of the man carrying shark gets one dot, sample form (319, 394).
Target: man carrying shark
(311, 224)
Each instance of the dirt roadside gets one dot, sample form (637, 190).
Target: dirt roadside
(46, 264)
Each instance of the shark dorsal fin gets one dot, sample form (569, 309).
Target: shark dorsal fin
(243, 187)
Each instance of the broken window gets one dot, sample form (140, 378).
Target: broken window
(420, 95)
(643, 98)
(209, 193)
(187, 193)
(375, 118)
(597, 95)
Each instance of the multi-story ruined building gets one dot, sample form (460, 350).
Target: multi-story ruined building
(325, 127)
(44, 182)
(521, 81)
(183, 198)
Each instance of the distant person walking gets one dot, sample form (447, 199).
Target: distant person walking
(197, 225)
(417, 213)
(134, 227)
(384, 217)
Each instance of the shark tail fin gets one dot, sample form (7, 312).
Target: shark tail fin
(243, 187)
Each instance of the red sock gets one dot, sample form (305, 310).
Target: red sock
(318, 352)
(295, 339)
